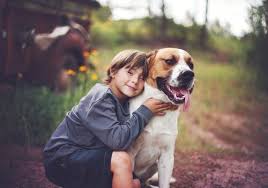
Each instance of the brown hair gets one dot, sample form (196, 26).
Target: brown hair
(129, 58)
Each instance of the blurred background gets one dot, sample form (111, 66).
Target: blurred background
(53, 52)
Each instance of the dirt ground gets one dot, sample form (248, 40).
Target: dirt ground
(243, 162)
(22, 168)
(219, 171)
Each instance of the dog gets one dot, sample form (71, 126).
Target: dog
(170, 79)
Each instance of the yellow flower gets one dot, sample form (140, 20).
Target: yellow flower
(83, 68)
(86, 54)
(94, 76)
(70, 72)
(94, 52)
(95, 62)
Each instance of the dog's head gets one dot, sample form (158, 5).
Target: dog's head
(171, 71)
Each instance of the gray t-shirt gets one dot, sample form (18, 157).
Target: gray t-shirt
(98, 121)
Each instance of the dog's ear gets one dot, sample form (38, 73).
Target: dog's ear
(150, 57)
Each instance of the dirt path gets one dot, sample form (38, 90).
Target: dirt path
(242, 164)
(23, 169)
(219, 171)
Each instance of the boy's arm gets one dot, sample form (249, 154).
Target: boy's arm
(102, 121)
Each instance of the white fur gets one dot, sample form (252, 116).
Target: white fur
(178, 68)
(154, 148)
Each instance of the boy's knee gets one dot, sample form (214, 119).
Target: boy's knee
(121, 160)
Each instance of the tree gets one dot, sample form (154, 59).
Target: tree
(259, 36)
(150, 13)
(204, 32)
(163, 26)
(102, 14)
(265, 3)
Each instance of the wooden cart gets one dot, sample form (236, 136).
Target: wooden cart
(42, 40)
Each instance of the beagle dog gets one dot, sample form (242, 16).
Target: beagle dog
(171, 79)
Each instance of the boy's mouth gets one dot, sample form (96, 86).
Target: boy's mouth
(132, 88)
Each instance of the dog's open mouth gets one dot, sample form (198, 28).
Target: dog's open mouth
(178, 95)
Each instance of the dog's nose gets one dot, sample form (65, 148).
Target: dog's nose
(186, 75)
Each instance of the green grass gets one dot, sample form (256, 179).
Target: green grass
(226, 87)
(219, 89)
(30, 114)
(105, 55)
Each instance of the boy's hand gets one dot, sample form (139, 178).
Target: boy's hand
(173, 107)
(159, 107)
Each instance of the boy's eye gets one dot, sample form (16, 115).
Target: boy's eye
(130, 72)
(141, 78)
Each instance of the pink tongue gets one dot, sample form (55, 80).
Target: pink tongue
(186, 104)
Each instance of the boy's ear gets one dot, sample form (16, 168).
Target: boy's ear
(112, 73)
(150, 57)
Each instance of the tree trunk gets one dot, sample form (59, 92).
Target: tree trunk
(163, 25)
(265, 4)
(150, 13)
(204, 32)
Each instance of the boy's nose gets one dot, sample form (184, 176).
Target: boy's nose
(135, 79)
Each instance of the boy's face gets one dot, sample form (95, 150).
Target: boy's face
(127, 82)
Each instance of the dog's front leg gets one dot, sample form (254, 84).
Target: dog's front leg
(165, 168)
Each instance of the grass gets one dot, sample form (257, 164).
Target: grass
(30, 114)
(219, 89)
(105, 55)
(226, 87)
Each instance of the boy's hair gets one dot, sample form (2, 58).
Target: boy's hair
(131, 59)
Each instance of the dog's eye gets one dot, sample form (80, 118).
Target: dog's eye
(170, 61)
(191, 65)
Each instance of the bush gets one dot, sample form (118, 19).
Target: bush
(29, 114)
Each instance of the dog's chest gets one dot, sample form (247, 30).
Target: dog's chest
(161, 131)
(166, 124)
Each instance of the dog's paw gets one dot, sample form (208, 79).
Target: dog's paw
(149, 186)
(154, 180)
(172, 180)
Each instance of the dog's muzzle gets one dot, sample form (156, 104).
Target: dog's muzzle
(179, 93)
(185, 79)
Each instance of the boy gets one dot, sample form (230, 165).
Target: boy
(87, 148)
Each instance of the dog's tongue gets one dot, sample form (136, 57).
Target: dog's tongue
(186, 104)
